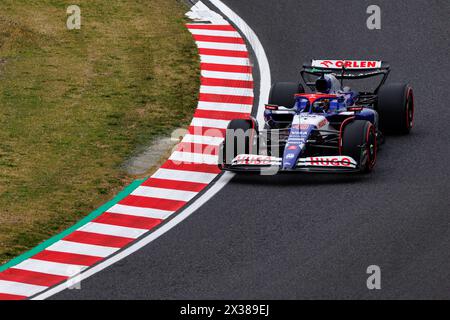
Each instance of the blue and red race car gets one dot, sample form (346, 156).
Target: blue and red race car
(333, 128)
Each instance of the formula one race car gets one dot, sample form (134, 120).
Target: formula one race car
(331, 129)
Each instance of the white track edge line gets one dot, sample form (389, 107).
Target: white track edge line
(265, 83)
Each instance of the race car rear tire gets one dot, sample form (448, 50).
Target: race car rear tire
(241, 137)
(282, 93)
(396, 108)
(358, 140)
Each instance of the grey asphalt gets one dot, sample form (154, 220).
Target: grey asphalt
(308, 237)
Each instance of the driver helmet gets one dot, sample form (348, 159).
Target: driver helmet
(321, 106)
(327, 83)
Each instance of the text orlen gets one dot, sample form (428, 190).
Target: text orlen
(350, 64)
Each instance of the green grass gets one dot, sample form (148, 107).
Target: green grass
(74, 105)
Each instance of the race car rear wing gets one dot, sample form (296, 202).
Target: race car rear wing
(348, 64)
(345, 69)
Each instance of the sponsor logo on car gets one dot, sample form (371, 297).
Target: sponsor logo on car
(290, 156)
(301, 126)
(330, 161)
(349, 64)
(327, 63)
(254, 160)
(322, 123)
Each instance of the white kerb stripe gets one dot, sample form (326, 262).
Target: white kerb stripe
(113, 230)
(192, 138)
(219, 33)
(60, 269)
(246, 92)
(82, 248)
(163, 193)
(210, 123)
(226, 75)
(221, 46)
(203, 149)
(226, 107)
(182, 175)
(140, 212)
(20, 289)
(189, 157)
(224, 60)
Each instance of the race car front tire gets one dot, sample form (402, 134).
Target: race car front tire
(395, 108)
(358, 140)
(241, 138)
(282, 93)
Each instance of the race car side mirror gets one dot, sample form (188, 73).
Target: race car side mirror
(271, 107)
(355, 109)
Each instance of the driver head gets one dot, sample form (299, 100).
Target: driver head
(327, 83)
(323, 84)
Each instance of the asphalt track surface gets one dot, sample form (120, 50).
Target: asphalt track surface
(309, 236)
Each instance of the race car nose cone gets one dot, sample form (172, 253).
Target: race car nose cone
(290, 156)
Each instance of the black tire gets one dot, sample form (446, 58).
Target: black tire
(282, 93)
(359, 142)
(236, 130)
(396, 108)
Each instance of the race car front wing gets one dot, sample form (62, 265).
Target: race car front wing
(257, 163)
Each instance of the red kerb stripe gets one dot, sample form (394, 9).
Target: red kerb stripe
(5, 296)
(226, 27)
(98, 239)
(197, 167)
(198, 37)
(155, 203)
(66, 257)
(173, 184)
(223, 98)
(31, 277)
(223, 53)
(127, 220)
(226, 83)
(221, 115)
